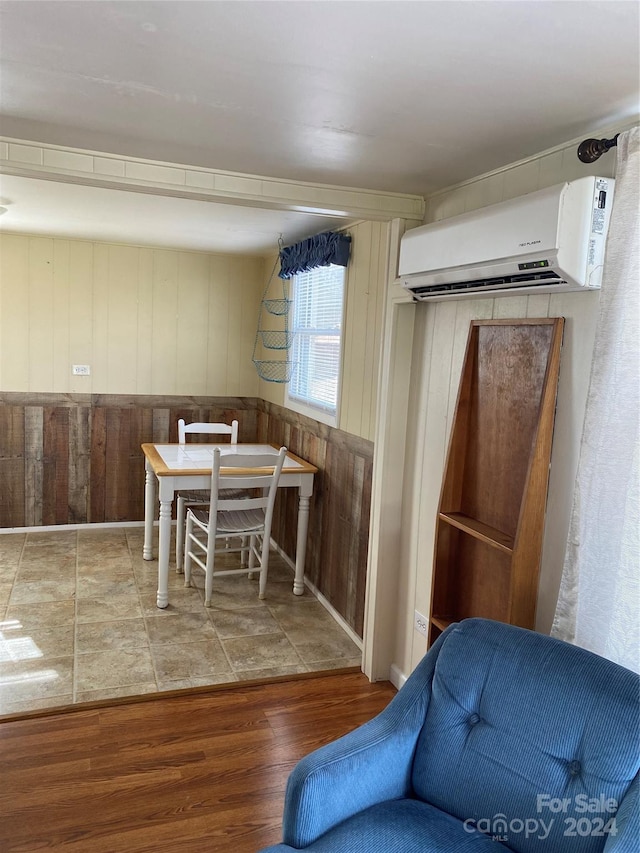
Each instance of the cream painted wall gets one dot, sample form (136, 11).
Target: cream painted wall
(156, 321)
(440, 334)
(363, 327)
(363, 332)
(147, 321)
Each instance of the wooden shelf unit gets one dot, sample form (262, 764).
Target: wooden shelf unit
(492, 503)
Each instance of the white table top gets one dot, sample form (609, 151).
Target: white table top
(177, 456)
(176, 459)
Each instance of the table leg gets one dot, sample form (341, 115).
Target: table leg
(163, 553)
(301, 544)
(149, 498)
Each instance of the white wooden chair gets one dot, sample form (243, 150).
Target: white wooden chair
(194, 497)
(248, 516)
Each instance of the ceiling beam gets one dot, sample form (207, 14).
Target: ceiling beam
(99, 169)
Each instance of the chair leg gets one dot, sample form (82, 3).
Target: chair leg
(252, 556)
(264, 567)
(208, 574)
(187, 556)
(246, 556)
(180, 523)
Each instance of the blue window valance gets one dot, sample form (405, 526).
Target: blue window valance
(324, 249)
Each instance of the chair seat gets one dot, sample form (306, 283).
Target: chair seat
(401, 826)
(248, 517)
(234, 521)
(202, 495)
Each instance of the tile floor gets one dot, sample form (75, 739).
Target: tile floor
(78, 622)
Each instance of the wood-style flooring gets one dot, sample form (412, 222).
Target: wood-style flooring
(191, 772)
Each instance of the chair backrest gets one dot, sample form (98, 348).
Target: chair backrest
(521, 729)
(207, 429)
(259, 471)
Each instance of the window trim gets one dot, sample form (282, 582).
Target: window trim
(318, 413)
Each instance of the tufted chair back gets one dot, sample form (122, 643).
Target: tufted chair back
(530, 739)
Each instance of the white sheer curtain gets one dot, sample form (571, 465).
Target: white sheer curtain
(599, 601)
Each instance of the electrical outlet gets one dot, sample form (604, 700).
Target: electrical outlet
(80, 370)
(420, 623)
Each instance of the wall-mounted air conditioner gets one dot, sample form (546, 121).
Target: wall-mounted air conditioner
(547, 241)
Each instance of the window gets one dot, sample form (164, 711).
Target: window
(316, 325)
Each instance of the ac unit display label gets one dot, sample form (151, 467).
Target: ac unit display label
(597, 224)
(533, 265)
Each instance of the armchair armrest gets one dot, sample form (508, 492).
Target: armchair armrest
(367, 766)
(627, 819)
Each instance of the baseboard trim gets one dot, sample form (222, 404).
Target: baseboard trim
(396, 676)
(323, 601)
(92, 525)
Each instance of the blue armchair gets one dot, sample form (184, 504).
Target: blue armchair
(500, 734)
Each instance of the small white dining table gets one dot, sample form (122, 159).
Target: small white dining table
(188, 466)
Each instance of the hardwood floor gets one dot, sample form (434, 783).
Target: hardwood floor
(191, 772)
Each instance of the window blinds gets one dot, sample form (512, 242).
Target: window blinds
(316, 327)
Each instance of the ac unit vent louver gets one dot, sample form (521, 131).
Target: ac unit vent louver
(481, 284)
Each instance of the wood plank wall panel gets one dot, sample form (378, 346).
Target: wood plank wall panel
(337, 552)
(117, 464)
(55, 465)
(79, 463)
(98, 463)
(12, 467)
(33, 430)
(68, 458)
(76, 458)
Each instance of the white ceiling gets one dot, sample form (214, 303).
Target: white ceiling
(397, 96)
(117, 216)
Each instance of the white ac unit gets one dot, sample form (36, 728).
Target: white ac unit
(547, 241)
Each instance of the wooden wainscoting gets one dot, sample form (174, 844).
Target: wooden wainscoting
(339, 519)
(75, 458)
